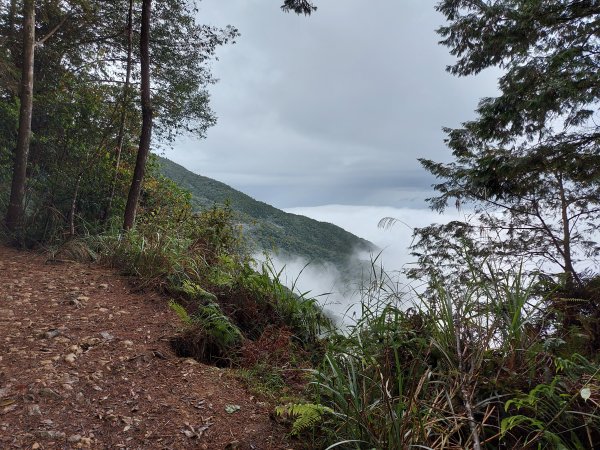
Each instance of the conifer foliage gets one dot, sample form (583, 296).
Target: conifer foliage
(529, 162)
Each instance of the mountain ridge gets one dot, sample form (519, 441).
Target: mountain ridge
(269, 227)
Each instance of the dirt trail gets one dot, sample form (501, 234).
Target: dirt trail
(86, 363)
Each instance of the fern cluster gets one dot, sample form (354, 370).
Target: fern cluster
(306, 415)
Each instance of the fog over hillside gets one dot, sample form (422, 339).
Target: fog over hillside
(325, 282)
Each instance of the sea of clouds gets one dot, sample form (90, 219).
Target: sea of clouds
(339, 297)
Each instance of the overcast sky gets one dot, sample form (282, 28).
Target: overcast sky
(330, 109)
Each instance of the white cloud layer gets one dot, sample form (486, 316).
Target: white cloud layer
(361, 221)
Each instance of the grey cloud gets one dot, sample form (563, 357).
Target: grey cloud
(334, 108)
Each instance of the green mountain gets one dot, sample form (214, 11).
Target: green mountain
(269, 227)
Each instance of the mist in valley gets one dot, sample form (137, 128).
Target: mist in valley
(331, 285)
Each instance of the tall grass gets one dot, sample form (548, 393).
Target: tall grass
(469, 366)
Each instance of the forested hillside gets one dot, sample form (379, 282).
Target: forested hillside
(270, 227)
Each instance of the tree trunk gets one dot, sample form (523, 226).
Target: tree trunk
(570, 274)
(146, 134)
(121, 134)
(15, 210)
(466, 386)
(74, 206)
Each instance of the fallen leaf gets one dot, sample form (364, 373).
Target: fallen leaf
(6, 402)
(189, 433)
(158, 354)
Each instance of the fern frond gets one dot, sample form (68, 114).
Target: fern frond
(307, 415)
(218, 325)
(193, 291)
(180, 311)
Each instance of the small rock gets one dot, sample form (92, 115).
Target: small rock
(230, 409)
(106, 336)
(85, 442)
(74, 438)
(127, 343)
(36, 446)
(70, 358)
(50, 334)
(34, 410)
(103, 310)
(103, 286)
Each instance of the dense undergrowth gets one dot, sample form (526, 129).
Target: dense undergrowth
(503, 361)
(234, 311)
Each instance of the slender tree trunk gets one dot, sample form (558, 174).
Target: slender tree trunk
(570, 274)
(74, 206)
(466, 386)
(121, 135)
(15, 212)
(146, 134)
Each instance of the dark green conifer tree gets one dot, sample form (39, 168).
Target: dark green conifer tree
(529, 163)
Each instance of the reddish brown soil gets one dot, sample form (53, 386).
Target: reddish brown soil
(86, 363)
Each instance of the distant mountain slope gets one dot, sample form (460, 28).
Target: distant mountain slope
(270, 227)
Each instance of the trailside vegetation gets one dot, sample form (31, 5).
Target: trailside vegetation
(489, 365)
